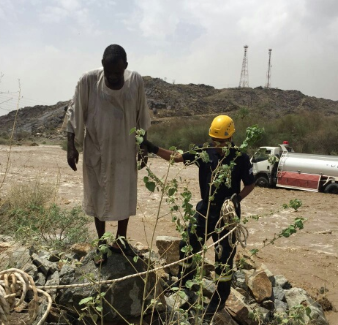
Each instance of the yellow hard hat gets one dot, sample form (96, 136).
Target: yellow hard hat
(222, 127)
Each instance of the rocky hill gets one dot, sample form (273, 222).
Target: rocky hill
(168, 100)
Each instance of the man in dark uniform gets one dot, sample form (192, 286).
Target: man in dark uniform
(220, 153)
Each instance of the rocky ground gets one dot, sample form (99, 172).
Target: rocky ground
(308, 259)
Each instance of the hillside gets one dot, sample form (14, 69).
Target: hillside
(170, 100)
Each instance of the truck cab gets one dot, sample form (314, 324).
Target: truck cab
(265, 163)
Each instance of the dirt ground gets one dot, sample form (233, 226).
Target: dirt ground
(309, 259)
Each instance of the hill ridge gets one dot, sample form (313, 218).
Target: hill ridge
(166, 100)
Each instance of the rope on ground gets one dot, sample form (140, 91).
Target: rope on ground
(14, 286)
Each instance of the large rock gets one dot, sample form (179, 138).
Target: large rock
(260, 286)
(279, 293)
(237, 308)
(178, 300)
(169, 250)
(125, 297)
(271, 277)
(20, 257)
(209, 287)
(222, 318)
(296, 297)
(44, 265)
(283, 282)
(245, 261)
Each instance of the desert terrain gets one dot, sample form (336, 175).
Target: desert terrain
(308, 259)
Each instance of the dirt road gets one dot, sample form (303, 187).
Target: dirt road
(308, 259)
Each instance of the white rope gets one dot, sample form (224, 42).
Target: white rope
(14, 285)
(230, 221)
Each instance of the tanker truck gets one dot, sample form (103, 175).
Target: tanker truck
(282, 167)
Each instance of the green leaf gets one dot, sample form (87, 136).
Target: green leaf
(85, 300)
(151, 186)
(99, 308)
(182, 294)
(171, 191)
(133, 130)
(308, 312)
(135, 258)
(139, 139)
(254, 251)
(189, 284)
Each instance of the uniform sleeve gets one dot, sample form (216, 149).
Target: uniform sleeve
(247, 171)
(77, 110)
(188, 158)
(143, 116)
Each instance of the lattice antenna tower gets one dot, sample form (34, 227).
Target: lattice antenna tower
(268, 74)
(244, 81)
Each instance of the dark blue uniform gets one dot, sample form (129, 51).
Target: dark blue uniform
(242, 171)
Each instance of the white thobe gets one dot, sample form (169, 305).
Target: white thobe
(101, 119)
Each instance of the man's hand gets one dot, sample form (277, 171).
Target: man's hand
(236, 199)
(72, 157)
(143, 156)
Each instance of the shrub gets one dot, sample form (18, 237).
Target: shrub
(31, 217)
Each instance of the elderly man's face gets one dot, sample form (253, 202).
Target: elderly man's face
(114, 73)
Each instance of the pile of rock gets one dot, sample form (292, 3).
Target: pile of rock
(258, 297)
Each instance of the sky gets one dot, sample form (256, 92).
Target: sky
(46, 45)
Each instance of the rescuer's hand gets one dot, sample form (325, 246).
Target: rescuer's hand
(72, 157)
(236, 199)
(150, 146)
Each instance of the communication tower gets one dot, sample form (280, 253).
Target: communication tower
(268, 74)
(244, 80)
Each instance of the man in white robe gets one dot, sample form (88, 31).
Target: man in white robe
(107, 104)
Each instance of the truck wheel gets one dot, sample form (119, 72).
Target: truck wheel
(331, 188)
(262, 181)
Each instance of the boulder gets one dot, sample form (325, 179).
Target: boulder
(271, 277)
(296, 297)
(237, 308)
(279, 293)
(260, 286)
(281, 281)
(44, 265)
(53, 280)
(223, 317)
(123, 297)
(20, 257)
(209, 287)
(169, 250)
(245, 261)
(81, 250)
(67, 274)
(178, 300)
(281, 307)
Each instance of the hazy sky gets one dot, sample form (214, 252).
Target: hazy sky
(49, 44)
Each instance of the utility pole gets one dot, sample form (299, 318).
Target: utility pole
(244, 80)
(268, 75)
